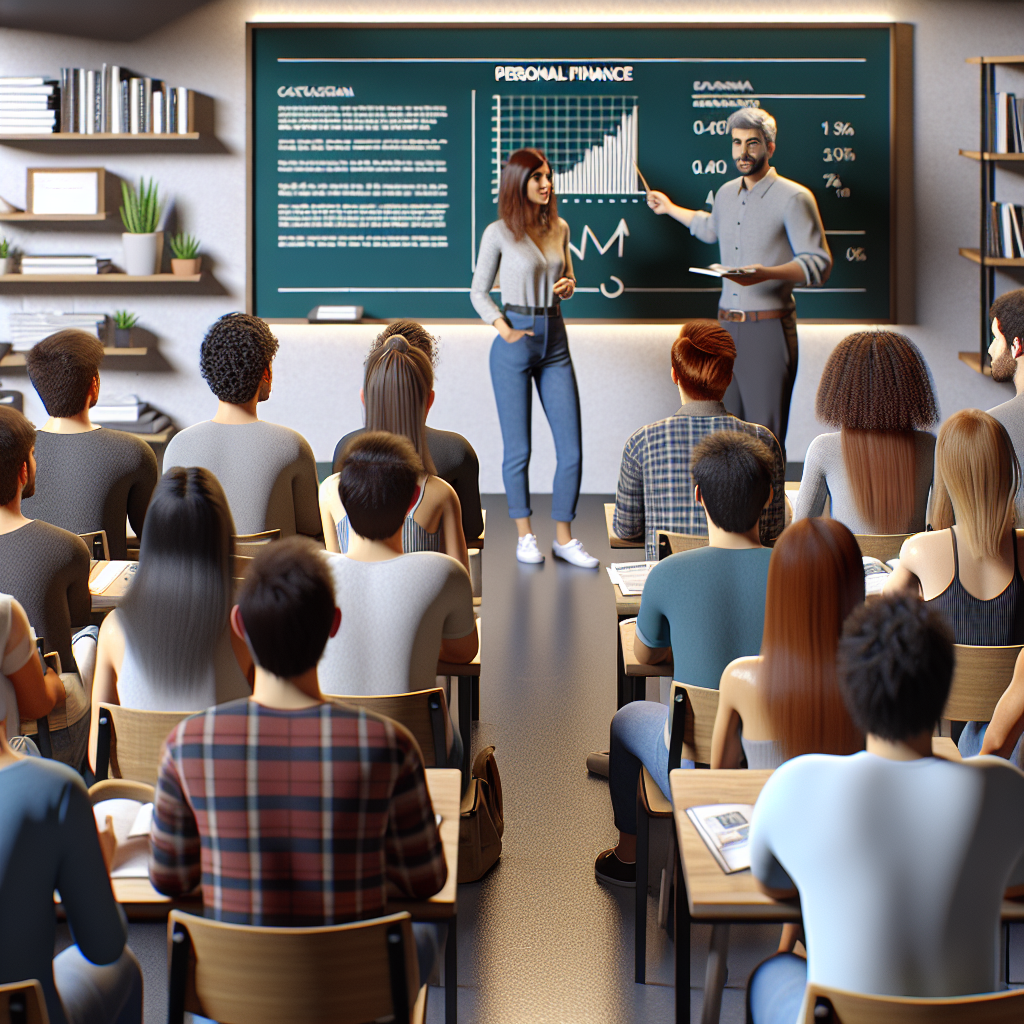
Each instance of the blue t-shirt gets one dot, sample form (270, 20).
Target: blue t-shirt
(708, 606)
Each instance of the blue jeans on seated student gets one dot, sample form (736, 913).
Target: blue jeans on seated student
(543, 358)
(98, 993)
(775, 991)
(972, 738)
(638, 739)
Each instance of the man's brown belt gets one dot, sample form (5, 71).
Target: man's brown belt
(741, 316)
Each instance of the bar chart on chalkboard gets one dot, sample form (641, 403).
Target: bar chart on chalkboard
(591, 141)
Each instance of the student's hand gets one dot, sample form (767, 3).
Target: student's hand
(508, 332)
(108, 842)
(54, 680)
(564, 287)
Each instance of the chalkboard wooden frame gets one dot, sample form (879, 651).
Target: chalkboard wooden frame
(901, 241)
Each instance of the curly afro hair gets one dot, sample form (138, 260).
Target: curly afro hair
(235, 352)
(895, 667)
(62, 368)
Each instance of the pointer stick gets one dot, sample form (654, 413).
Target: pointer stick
(642, 178)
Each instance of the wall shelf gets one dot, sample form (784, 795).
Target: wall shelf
(974, 255)
(973, 360)
(995, 60)
(18, 358)
(99, 279)
(98, 136)
(55, 218)
(973, 154)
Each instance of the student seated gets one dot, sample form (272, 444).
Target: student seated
(970, 572)
(453, 456)
(89, 478)
(900, 859)
(47, 570)
(705, 607)
(169, 646)
(267, 471)
(1006, 353)
(655, 492)
(369, 780)
(398, 390)
(49, 841)
(877, 470)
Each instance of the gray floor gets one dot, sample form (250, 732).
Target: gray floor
(540, 942)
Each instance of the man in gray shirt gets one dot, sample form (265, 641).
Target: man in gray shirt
(89, 478)
(267, 471)
(1007, 352)
(771, 226)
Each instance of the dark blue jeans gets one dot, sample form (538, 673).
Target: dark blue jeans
(544, 359)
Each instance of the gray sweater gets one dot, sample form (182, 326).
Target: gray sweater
(1011, 415)
(527, 273)
(825, 474)
(91, 481)
(267, 471)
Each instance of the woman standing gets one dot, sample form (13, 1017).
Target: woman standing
(530, 244)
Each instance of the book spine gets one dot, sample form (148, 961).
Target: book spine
(1001, 121)
(168, 117)
(114, 99)
(157, 112)
(65, 99)
(125, 106)
(1005, 231)
(102, 102)
(81, 101)
(184, 112)
(134, 105)
(147, 105)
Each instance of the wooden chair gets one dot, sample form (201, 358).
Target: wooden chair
(96, 542)
(882, 546)
(692, 711)
(342, 974)
(251, 544)
(980, 676)
(129, 742)
(673, 543)
(422, 712)
(240, 565)
(469, 696)
(23, 1002)
(832, 1006)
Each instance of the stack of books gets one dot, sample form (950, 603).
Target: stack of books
(65, 265)
(28, 106)
(26, 329)
(1008, 130)
(131, 414)
(1005, 234)
(116, 100)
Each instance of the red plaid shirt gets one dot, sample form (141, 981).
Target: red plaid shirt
(293, 817)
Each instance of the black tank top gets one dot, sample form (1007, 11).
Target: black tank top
(994, 623)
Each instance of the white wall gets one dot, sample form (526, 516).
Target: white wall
(622, 370)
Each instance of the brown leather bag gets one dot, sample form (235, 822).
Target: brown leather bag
(483, 820)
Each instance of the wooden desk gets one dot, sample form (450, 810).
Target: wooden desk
(111, 596)
(618, 542)
(468, 677)
(478, 542)
(632, 667)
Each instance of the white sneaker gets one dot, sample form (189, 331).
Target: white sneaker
(575, 554)
(527, 550)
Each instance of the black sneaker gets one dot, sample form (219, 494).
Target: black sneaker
(609, 870)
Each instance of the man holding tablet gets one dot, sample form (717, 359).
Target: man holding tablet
(770, 228)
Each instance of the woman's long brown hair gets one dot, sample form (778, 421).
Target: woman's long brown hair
(876, 389)
(514, 208)
(815, 579)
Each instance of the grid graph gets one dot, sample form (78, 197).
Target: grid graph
(591, 141)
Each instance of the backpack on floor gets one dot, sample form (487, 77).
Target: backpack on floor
(483, 821)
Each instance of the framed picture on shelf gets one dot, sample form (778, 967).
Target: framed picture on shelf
(65, 191)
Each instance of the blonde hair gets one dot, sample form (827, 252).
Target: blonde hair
(976, 479)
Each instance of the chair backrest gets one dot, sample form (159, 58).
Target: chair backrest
(252, 543)
(240, 565)
(980, 675)
(96, 542)
(422, 712)
(673, 543)
(23, 1002)
(832, 1006)
(129, 742)
(242, 974)
(692, 710)
(882, 546)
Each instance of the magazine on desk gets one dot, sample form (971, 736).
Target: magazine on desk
(630, 576)
(724, 829)
(876, 572)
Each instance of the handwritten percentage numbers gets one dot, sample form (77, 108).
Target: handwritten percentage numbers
(832, 180)
(838, 154)
(856, 254)
(837, 128)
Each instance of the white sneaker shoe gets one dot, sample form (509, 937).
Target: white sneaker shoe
(575, 554)
(527, 550)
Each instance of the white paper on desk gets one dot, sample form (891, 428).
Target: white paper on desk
(630, 576)
(110, 572)
(725, 829)
(131, 821)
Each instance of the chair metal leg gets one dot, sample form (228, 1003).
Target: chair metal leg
(451, 974)
(643, 834)
(682, 920)
(476, 698)
(715, 975)
(465, 722)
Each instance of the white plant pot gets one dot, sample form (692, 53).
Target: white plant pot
(7, 265)
(142, 253)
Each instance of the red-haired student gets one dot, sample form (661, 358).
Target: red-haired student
(655, 489)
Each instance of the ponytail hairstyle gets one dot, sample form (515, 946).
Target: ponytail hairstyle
(514, 208)
(396, 390)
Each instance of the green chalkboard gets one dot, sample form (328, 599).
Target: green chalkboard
(375, 154)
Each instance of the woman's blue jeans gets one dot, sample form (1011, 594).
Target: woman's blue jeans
(775, 991)
(544, 359)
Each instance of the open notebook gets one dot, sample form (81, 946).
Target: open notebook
(131, 821)
(725, 830)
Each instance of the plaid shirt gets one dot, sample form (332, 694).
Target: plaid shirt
(655, 489)
(295, 818)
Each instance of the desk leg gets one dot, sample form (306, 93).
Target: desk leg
(476, 698)
(682, 943)
(465, 722)
(451, 977)
(625, 684)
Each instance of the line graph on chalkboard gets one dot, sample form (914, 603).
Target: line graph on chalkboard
(591, 141)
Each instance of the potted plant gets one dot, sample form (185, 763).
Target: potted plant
(186, 259)
(143, 244)
(123, 324)
(6, 259)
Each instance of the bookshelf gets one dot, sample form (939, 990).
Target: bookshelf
(987, 163)
(18, 358)
(100, 279)
(55, 218)
(100, 137)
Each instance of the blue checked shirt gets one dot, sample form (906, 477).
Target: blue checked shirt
(655, 489)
